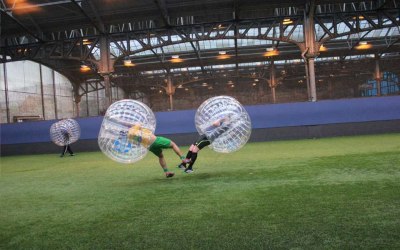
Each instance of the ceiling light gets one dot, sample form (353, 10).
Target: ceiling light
(254, 84)
(176, 59)
(222, 55)
(204, 84)
(256, 80)
(271, 52)
(180, 86)
(86, 41)
(322, 48)
(219, 27)
(359, 17)
(85, 68)
(363, 45)
(287, 21)
(128, 63)
(210, 87)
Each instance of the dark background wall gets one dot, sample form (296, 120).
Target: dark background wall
(269, 122)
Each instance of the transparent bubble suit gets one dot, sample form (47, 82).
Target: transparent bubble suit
(238, 130)
(121, 116)
(65, 132)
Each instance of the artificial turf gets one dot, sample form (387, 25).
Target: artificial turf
(333, 193)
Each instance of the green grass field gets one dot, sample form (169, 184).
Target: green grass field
(335, 193)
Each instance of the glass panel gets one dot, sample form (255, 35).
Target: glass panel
(3, 106)
(25, 93)
(24, 89)
(64, 96)
(48, 93)
(92, 101)
(102, 101)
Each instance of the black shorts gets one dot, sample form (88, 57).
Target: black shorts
(202, 142)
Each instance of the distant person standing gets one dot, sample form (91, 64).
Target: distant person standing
(66, 147)
(63, 133)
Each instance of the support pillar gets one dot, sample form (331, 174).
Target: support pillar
(107, 89)
(377, 75)
(42, 91)
(310, 50)
(106, 67)
(77, 102)
(6, 92)
(87, 100)
(97, 98)
(53, 76)
(170, 90)
(313, 88)
(272, 81)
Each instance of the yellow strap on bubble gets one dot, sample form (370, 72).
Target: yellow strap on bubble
(140, 134)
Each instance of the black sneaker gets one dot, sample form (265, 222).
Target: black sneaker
(181, 166)
(189, 171)
(169, 174)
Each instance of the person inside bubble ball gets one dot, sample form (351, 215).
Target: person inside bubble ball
(216, 129)
(66, 147)
(155, 144)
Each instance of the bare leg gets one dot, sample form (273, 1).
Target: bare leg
(163, 163)
(194, 149)
(176, 149)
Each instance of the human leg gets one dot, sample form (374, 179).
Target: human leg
(194, 150)
(64, 150)
(182, 165)
(163, 165)
(69, 150)
(156, 149)
(176, 149)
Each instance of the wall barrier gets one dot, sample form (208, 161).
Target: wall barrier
(269, 122)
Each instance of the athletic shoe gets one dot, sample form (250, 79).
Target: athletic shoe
(189, 171)
(181, 166)
(169, 174)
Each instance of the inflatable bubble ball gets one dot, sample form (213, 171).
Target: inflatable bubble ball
(119, 118)
(225, 122)
(65, 132)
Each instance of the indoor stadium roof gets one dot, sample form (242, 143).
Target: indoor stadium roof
(142, 38)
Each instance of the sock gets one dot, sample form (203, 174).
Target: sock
(192, 160)
(189, 155)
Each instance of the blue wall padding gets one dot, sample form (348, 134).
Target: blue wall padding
(325, 112)
(262, 116)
